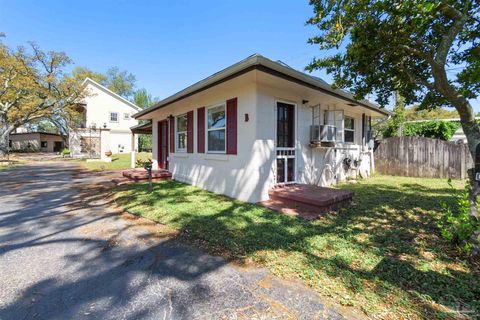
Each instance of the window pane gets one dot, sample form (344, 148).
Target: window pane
(216, 140)
(181, 141)
(216, 117)
(114, 116)
(349, 123)
(182, 123)
(349, 135)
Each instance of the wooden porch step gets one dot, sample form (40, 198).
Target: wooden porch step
(307, 201)
(141, 174)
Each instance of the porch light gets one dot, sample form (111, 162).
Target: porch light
(104, 125)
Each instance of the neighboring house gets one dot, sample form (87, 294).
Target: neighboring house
(36, 142)
(258, 124)
(105, 123)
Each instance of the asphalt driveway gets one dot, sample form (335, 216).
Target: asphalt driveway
(65, 254)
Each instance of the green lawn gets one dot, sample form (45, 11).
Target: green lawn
(383, 255)
(120, 161)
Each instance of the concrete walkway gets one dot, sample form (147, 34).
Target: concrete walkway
(64, 254)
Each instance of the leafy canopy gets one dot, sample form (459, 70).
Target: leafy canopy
(119, 81)
(426, 50)
(34, 85)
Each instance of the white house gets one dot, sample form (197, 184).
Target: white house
(258, 124)
(105, 124)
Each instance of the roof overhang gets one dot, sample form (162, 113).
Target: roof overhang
(145, 128)
(260, 63)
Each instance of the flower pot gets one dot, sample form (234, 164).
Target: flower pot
(108, 153)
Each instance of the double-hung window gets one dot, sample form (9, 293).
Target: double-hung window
(181, 136)
(216, 129)
(349, 129)
(113, 116)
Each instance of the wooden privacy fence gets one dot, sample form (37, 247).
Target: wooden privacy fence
(422, 157)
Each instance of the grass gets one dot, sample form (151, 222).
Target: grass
(383, 255)
(120, 161)
(9, 163)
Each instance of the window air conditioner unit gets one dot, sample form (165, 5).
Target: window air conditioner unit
(323, 133)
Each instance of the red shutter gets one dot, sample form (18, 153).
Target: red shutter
(232, 126)
(201, 130)
(190, 132)
(172, 134)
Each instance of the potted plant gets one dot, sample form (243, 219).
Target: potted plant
(108, 153)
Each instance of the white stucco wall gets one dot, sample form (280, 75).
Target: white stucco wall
(310, 161)
(243, 176)
(99, 104)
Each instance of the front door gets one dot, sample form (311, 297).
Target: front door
(163, 144)
(285, 160)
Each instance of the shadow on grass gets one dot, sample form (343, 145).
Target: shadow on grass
(385, 244)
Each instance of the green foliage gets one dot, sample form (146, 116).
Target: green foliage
(404, 46)
(81, 73)
(143, 99)
(65, 152)
(415, 113)
(120, 82)
(145, 143)
(443, 130)
(457, 225)
(439, 129)
(144, 163)
(379, 255)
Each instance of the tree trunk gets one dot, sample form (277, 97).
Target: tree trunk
(472, 132)
(5, 131)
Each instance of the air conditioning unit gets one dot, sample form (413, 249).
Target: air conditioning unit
(323, 133)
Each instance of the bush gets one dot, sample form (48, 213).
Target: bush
(458, 226)
(435, 129)
(65, 152)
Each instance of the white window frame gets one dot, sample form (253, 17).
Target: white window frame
(110, 117)
(177, 149)
(126, 116)
(345, 129)
(224, 104)
(336, 119)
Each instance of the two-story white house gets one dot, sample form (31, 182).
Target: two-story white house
(104, 125)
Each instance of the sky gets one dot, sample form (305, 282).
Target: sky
(167, 45)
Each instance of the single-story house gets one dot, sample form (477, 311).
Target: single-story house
(36, 142)
(258, 124)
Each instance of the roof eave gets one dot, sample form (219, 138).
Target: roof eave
(255, 62)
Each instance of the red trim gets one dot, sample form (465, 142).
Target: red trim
(172, 134)
(201, 130)
(190, 132)
(232, 126)
(162, 164)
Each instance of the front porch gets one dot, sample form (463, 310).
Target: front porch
(306, 201)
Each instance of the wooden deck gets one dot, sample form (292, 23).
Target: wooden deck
(307, 201)
(141, 174)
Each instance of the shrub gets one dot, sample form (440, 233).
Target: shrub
(458, 226)
(435, 129)
(65, 152)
